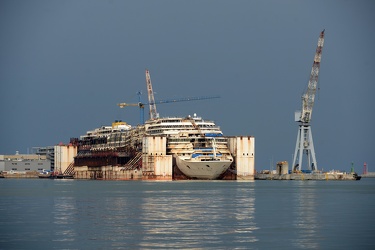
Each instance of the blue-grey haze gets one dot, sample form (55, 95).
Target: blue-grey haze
(64, 65)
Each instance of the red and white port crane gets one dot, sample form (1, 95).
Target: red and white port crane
(304, 137)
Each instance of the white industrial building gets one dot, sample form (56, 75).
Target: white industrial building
(20, 163)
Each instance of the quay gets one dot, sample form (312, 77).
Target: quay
(368, 175)
(282, 172)
(308, 176)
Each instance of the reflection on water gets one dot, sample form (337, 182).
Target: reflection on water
(187, 218)
(48, 214)
(305, 218)
(63, 211)
(156, 215)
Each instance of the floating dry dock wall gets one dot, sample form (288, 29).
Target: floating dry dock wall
(242, 149)
(153, 163)
(156, 164)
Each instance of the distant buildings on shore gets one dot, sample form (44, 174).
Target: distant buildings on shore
(51, 158)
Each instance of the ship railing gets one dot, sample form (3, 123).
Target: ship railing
(134, 162)
(70, 169)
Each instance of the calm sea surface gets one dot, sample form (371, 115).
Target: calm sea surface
(76, 214)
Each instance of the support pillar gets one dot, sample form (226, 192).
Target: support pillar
(304, 144)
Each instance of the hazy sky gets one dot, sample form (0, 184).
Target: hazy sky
(64, 65)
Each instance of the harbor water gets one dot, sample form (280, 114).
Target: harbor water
(83, 214)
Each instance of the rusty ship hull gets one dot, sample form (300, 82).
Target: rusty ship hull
(193, 143)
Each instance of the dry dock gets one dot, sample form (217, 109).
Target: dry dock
(153, 163)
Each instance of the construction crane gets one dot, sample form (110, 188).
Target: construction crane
(153, 113)
(152, 103)
(304, 137)
(142, 105)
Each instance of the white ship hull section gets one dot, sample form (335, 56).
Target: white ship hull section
(207, 170)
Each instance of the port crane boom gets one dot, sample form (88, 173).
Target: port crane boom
(304, 137)
(153, 113)
(152, 103)
(309, 97)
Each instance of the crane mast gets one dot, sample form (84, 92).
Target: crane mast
(304, 137)
(151, 100)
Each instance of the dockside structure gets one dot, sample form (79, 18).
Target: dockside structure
(146, 158)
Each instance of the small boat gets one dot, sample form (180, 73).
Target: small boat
(357, 177)
(54, 175)
(45, 175)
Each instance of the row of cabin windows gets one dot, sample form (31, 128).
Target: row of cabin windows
(15, 163)
(27, 168)
(206, 126)
(179, 121)
(171, 120)
(171, 126)
(183, 126)
(248, 154)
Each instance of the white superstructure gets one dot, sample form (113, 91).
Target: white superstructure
(198, 146)
(105, 131)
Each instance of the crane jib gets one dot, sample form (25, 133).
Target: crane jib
(309, 96)
(152, 103)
